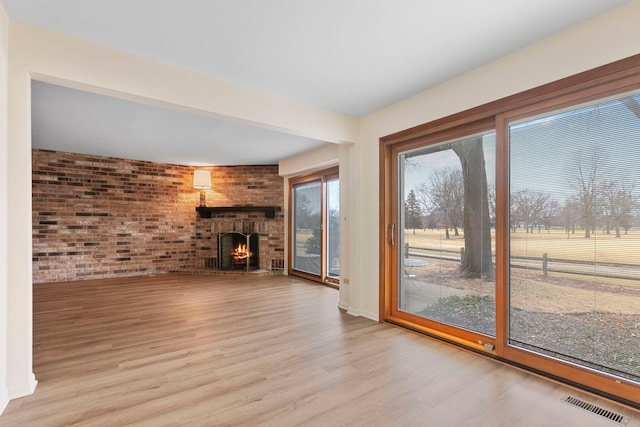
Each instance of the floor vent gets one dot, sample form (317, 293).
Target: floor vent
(612, 416)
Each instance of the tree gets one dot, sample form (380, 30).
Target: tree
(312, 245)
(618, 202)
(528, 208)
(631, 203)
(550, 214)
(586, 175)
(412, 212)
(444, 195)
(477, 231)
(432, 221)
(333, 238)
(608, 201)
(491, 194)
(570, 212)
(306, 217)
(304, 214)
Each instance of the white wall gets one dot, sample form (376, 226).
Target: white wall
(319, 158)
(60, 59)
(322, 158)
(4, 57)
(610, 37)
(20, 378)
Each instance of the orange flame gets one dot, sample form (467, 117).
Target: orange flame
(241, 252)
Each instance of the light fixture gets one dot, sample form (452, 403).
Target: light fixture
(202, 182)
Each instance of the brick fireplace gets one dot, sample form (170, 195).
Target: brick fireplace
(264, 241)
(102, 217)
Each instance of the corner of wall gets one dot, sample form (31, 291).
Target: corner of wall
(4, 400)
(364, 313)
(4, 70)
(319, 158)
(24, 388)
(17, 355)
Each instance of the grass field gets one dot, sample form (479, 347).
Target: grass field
(625, 249)
(584, 317)
(533, 291)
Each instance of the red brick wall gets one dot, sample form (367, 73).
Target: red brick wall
(100, 217)
(244, 186)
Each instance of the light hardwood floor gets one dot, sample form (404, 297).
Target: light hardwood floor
(260, 350)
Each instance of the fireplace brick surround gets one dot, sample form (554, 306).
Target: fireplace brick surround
(102, 217)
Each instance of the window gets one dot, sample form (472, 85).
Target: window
(514, 229)
(333, 230)
(574, 240)
(307, 227)
(315, 227)
(446, 275)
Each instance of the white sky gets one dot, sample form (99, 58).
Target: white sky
(544, 150)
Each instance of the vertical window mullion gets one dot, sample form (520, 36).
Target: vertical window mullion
(502, 234)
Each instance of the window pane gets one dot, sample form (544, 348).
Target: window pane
(445, 257)
(307, 227)
(333, 231)
(574, 238)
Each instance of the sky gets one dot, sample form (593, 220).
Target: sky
(544, 151)
(425, 162)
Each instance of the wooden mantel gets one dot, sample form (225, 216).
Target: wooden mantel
(206, 211)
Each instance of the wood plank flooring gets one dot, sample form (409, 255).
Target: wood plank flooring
(260, 350)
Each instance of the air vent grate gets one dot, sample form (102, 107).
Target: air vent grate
(612, 416)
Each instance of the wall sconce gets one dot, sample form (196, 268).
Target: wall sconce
(202, 182)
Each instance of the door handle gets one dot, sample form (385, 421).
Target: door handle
(393, 232)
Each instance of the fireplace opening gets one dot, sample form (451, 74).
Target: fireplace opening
(238, 251)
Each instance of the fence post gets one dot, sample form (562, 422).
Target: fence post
(544, 264)
(462, 256)
(406, 250)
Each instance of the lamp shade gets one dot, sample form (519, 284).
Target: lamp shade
(201, 179)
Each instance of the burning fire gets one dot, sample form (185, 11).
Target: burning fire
(241, 253)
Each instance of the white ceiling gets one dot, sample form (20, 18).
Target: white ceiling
(75, 121)
(349, 56)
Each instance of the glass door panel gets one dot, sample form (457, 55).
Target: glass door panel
(307, 227)
(574, 243)
(513, 228)
(446, 240)
(333, 229)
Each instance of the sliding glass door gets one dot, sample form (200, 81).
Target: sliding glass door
(515, 231)
(445, 273)
(574, 244)
(315, 227)
(307, 227)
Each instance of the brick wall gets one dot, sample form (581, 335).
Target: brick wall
(243, 186)
(100, 217)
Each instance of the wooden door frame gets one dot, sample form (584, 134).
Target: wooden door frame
(323, 176)
(609, 80)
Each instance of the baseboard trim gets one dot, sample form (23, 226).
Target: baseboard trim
(4, 400)
(24, 389)
(369, 315)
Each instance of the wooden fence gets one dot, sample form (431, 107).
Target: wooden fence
(545, 263)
